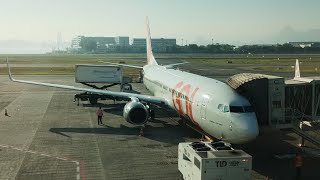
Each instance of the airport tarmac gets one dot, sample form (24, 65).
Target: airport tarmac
(47, 136)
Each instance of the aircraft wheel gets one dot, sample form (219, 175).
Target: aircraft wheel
(93, 101)
(152, 114)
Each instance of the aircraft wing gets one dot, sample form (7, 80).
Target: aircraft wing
(145, 98)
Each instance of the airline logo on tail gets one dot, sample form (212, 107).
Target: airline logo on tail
(297, 70)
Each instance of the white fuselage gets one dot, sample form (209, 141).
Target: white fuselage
(208, 103)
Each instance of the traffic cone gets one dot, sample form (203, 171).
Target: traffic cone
(141, 132)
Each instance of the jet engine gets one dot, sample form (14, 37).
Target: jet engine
(136, 113)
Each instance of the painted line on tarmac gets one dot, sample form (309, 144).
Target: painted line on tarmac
(79, 165)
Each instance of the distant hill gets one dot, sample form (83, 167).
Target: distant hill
(289, 34)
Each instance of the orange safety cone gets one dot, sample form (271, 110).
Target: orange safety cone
(141, 132)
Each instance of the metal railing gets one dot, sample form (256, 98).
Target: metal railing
(304, 125)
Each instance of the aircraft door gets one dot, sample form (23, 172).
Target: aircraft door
(203, 109)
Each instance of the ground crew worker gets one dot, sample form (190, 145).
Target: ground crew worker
(99, 114)
(298, 164)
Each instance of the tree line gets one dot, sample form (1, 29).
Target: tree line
(90, 46)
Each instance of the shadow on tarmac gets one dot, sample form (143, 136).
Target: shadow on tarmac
(167, 133)
(273, 157)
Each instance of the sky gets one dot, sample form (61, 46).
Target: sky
(195, 21)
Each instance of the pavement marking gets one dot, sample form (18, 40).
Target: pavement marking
(76, 162)
(45, 155)
(63, 159)
(79, 172)
(32, 152)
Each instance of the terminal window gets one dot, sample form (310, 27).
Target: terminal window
(276, 104)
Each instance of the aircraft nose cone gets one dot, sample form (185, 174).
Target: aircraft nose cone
(251, 132)
(246, 128)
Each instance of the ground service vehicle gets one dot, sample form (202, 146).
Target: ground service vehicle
(216, 160)
(95, 75)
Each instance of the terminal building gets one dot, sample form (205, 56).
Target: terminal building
(75, 43)
(305, 44)
(118, 43)
(158, 45)
(104, 44)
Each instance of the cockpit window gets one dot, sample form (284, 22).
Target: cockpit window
(226, 109)
(220, 107)
(241, 109)
(248, 109)
(236, 109)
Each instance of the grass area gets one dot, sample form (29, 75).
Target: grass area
(68, 59)
(307, 69)
(259, 59)
(39, 70)
(270, 61)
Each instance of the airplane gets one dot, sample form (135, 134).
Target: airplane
(297, 70)
(209, 104)
(297, 77)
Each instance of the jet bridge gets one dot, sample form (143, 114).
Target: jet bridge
(279, 102)
(266, 94)
(303, 95)
(283, 104)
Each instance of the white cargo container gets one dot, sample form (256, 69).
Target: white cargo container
(213, 161)
(88, 73)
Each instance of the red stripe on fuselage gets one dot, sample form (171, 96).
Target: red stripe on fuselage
(176, 100)
(190, 106)
(176, 97)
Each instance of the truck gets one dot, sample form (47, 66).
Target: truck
(95, 75)
(213, 161)
(88, 73)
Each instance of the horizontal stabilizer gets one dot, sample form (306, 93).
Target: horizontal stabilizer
(169, 66)
(124, 65)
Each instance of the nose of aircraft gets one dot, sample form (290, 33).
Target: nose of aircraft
(245, 127)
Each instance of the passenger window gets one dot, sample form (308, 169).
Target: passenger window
(220, 107)
(276, 104)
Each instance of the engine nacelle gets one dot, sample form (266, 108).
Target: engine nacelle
(136, 113)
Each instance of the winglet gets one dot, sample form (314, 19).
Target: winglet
(9, 70)
(297, 70)
(150, 57)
